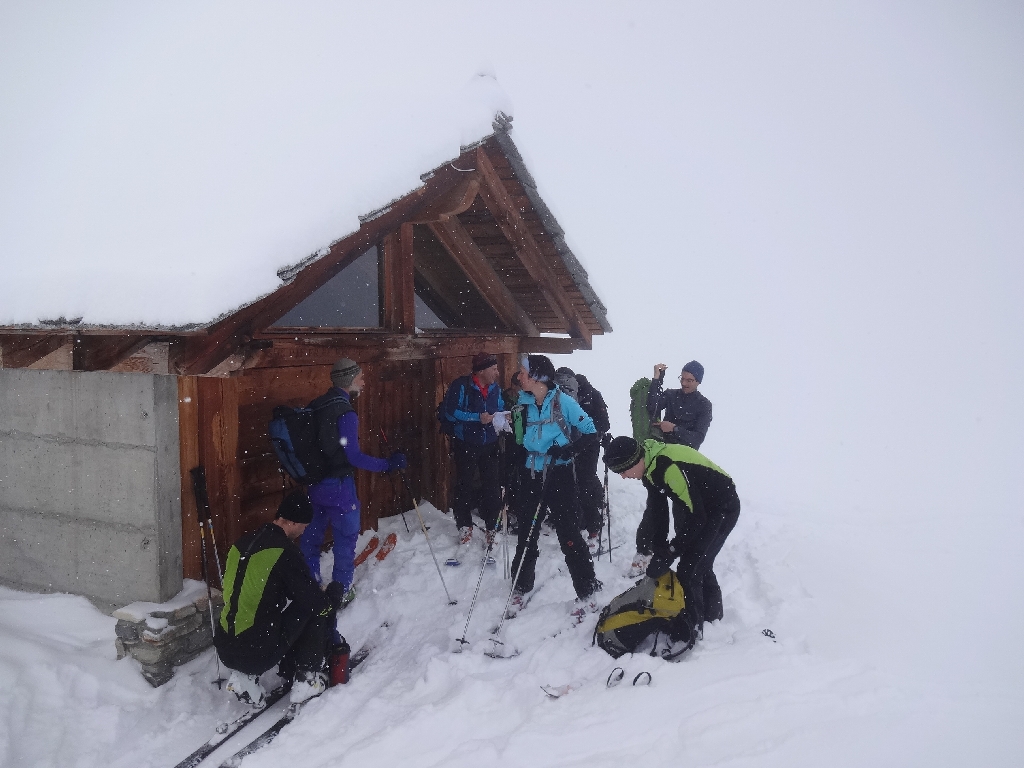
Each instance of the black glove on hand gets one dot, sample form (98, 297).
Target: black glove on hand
(560, 451)
(606, 440)
(661, 563)
(335, 592)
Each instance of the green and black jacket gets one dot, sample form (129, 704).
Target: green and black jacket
(702, 493)
(269, 595)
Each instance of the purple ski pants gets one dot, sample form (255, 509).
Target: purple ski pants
(334, 504)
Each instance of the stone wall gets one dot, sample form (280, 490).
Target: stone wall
(90, 484)
(164, 636)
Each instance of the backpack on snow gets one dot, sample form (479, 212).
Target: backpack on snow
(294, 434)
(648, 607)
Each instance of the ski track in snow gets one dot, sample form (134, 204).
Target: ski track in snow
(818, 694)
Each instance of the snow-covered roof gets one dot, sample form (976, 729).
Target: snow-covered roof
(121, 209)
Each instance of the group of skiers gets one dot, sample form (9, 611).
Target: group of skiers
(529, 452)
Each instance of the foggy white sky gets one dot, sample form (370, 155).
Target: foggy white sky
(824, 205)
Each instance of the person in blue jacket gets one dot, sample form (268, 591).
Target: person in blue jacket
(470, 404)
(556, 430)
(334, 498)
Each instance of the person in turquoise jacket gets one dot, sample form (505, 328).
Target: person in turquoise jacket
(556, 430)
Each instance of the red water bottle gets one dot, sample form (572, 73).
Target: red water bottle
(338, 663)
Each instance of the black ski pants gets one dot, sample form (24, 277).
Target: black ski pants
(469, 459)
(591, 489)
(696, 566)
(556, 496)
(302, 643)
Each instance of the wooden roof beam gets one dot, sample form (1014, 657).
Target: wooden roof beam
(22, 351)
(501, 205)
(101, 353)
(458, 242)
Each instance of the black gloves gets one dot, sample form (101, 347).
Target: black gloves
(397, 461)
(606, 440)
(560, 451)
(662, 561)
(335, 592)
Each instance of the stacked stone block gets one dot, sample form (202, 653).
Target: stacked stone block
(164, 637)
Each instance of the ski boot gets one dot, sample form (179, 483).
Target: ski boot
(247, 689)
(639, 565)
(307, 685)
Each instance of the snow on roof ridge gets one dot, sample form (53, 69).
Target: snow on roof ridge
(502, 124)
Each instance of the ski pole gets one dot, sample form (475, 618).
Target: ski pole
(507, 570)
(522, 559)
(423, 527)
(199, 491)
(479, 580)
(393, 489)
(608, 511)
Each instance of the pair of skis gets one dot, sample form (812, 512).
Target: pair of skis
(225, 731)
(617, 676)
(389, 544)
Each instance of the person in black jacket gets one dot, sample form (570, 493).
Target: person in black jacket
(274, 612)
(705, 508)
(687, 412)
(591, 489)
(470, 404)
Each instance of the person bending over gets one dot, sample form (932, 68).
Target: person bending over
(705, 508)
(274, 612)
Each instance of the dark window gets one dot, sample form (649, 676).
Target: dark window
(425, 318)
(347, 300)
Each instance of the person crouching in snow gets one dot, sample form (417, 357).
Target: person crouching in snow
(274, 612)
(334, 498)
(705, 509)
(549, 481)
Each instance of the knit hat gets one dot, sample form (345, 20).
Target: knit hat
(483, 360)
(343, 372)
(539, 367)
(695, 368)
(622, 453)
(296, 507)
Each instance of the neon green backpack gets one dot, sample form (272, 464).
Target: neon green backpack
(642, 429)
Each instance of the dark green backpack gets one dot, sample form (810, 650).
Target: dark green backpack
(642, 429)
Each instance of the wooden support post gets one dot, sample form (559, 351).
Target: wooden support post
(398, 292)
(218, 452)
(188, 442)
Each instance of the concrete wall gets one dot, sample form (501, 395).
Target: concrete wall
(89, 484)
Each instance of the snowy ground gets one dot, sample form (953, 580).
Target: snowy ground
(878, 660)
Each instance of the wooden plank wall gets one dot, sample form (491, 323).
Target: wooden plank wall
(224, 426)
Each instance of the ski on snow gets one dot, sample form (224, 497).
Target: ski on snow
(385, 549)
(367, 550)
(293, 710)
(389, 544)
(229, 729)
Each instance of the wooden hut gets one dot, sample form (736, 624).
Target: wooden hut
(472, 260)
